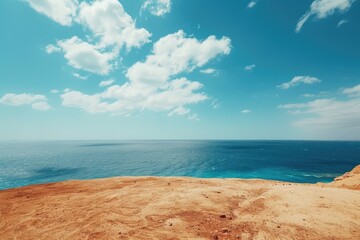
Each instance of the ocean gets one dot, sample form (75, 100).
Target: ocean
(25, 163)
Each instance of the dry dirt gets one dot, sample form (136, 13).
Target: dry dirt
(182, 208)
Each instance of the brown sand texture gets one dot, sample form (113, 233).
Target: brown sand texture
(182, 208)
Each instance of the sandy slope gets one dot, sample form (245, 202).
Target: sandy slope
(181, 208)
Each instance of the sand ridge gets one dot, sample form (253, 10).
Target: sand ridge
(181, 208)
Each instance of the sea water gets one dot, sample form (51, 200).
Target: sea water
(25, 163)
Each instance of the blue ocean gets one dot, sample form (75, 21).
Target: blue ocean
(25, 163)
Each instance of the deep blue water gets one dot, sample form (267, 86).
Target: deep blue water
(24, 163)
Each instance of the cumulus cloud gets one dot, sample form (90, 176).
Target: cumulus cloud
(106, 83)
(353, 91)
(250, 67)
(38, 102)
(109, 22)
(151, 84)
(298, 80)
(111, 30)
(321, 9)
(157, 7)
(62, 12)
(246, 111)
(85, 56)
(176, 53)
(252, 4)
(123, 99)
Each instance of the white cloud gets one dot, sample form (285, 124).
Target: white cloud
(84, 56)
(252, 4)
(327, 113)
(157, 7)
(321, 9)
(179, 111)
(246, 111)
(52, 48)
(54, 91)
(151, 85)
(106, 83)
(38, 102)
(209, 71)
(111, 27)
(42, 106)
(109, 22)
(176, 53)
(308, 95)
(341, 22)
(77, 75)
(298, 80)
(62, 12)
(353, 91)
(250, 67)
(123, 99)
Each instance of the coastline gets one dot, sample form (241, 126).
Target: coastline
(183, 208)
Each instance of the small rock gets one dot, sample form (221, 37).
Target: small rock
(278, 227)
(170, 224)
(222, 216)
(215, 237)
(225, 230)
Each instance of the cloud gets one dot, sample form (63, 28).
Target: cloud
(54, 91)
(62, 12)
(111, 30)
(179, 111)
(209, 71)
(38, 102)
(106, 83)
(252, 4)
(341, 22)
(308, 95)
(176, 53)
(328, 113)
(109, 22)
(157, 7)
(77, 75)
(246, 111)
(250, 67)
(52, 48)
(353, 91)
(321, 9)
(298, 80)
(84, 56)
(123, 99)
(215, 104)
(153, 84)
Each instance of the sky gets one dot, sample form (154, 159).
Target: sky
(179, 69)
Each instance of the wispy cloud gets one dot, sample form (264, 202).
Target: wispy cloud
(106, 83)
(209, 71)
(298, 80)
(342, 22)
(252, 3)
(321, 9)
(250, 67)
(329, 112)
(77, 75)
(246, 111)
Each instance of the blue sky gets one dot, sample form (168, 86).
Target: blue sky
(180, 69)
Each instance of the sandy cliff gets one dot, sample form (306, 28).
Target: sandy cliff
(182, 208)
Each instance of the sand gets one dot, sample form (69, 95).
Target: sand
(182, 208)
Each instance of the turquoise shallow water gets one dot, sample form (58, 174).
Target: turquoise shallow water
(24, 163)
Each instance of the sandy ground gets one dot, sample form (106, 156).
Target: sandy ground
(182, 208)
